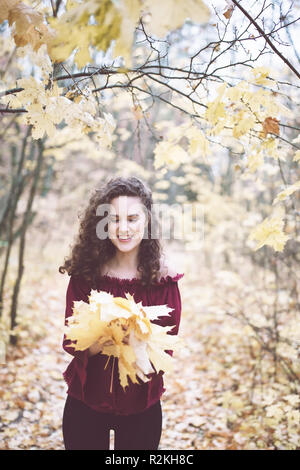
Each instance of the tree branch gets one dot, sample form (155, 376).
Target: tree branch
(264, 35)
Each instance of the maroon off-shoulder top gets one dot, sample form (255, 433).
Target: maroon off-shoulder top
(86, 376)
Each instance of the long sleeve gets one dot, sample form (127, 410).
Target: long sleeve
(170, 295)
(89, 379)
(77, 290)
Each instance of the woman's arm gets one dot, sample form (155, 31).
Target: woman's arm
(94, 349)
(169, 294)
(77, 290)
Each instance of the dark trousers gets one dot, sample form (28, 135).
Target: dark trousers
(87, 429)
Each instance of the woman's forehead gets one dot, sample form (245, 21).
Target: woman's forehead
(130, 205)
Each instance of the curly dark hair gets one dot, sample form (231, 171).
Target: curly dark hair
(90, 253)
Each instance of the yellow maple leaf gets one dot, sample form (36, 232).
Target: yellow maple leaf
(27, 24)
(244, 122)
(236, 93)
(124, 303)
(5, 7)
(216, 109)
(107, 28)
(198, 144)
(157, 346)
(270, 232)
(84, 326)
(260, 75)
(115, 21)
(170, 14)
(82, 56)
(290, 189)
(126, 367)
(122, 329)
(41, 105)
(255, 159)
(130, 11)
(41, 121)
(297, 156)
(39, 58)
(170, 154)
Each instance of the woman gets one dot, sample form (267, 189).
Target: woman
(116, 253)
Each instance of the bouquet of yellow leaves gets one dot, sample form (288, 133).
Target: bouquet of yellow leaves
(123, 329)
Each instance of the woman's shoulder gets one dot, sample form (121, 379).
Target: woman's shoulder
(78, 281)
(168, 271)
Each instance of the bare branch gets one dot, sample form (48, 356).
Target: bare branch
(265, 36)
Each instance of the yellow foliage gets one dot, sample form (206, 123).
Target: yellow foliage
(255, 159)
(260, 75)
(244, 122)
(169, 154)
(270, 148)
(40, 58)
(275, 411)
(115, 21)
(198, 144)
(290, 189)
(130, 14)
(27, 23)
(170, 14)
(297, 156)
(240, 109)
(123, 329)
(215, 111)
(107, 27)
(46, 107)
(5, 7)
(41, 106)
(293, 399)
(269, 232)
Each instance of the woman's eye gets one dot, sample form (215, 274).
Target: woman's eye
(113, 219)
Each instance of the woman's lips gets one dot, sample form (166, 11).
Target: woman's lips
(124, 240)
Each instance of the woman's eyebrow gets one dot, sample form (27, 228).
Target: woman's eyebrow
(129, 215)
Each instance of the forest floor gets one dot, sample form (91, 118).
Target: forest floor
(206, 401)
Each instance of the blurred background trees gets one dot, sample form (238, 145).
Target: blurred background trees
(205, 110)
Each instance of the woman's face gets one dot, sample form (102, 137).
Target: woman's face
(126, 220)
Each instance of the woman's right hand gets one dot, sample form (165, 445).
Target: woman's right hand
(95, 348)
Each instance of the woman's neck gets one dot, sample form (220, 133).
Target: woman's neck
(120, 270)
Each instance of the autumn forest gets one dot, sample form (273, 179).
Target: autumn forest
(199, 100)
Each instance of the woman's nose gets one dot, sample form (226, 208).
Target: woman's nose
(123, 226)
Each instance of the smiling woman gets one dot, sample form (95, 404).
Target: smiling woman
(127, 260)
(121, 208)
(127, 222)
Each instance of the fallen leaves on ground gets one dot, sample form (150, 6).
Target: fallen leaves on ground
(210, 400)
